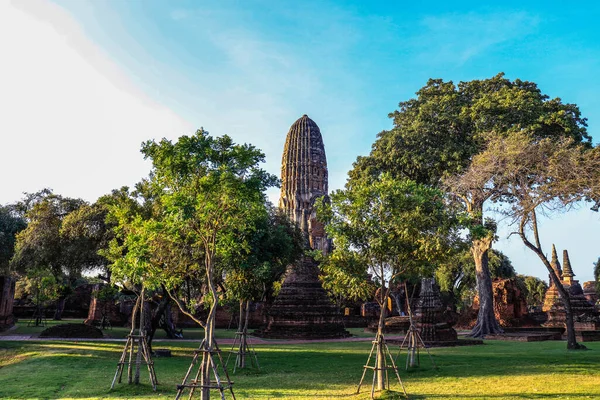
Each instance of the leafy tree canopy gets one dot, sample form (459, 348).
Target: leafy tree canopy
(437, 133)
(11, 223)
(395, 227)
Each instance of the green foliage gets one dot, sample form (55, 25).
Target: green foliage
(345, 276)
(436, 134)
(211, 190)
(11, 223)
(535, 289)
(456, 276)
(41, 245)
(88, 232)
(40, 285)
(392, 224)
(274, 243)
(195, 214)
(107, 293)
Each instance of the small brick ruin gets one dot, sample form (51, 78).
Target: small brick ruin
(510, 305)
(591, 292)
(116, 315)
(7, 295)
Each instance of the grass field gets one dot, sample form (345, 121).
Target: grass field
(496, 370)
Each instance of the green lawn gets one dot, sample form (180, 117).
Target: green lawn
(496, 370)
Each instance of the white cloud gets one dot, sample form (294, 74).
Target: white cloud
(71, 120)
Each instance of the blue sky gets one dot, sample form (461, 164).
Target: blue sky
(89, 80)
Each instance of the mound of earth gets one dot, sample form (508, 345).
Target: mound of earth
(72, 331)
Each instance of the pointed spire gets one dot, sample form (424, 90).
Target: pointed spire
(567, 271)
(555, 264)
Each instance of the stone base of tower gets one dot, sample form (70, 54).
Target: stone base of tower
(582, 309)
(302, 309)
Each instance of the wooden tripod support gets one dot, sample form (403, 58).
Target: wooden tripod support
(38, 318)
(244, 350)
(380, 341)
(207, 359)
(142, 355)
(413, 340)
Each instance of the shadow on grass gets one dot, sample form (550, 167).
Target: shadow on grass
(316, 370)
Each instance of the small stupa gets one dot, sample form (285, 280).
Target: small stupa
(430, 315)
(302, 308)
(553, 305)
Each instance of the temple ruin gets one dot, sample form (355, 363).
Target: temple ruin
(302, 308)
(432, 320)
(553, 305)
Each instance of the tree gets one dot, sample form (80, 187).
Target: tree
(11, 223)
(394, 228)
(456, 277)
(535, 289)
(41, 245)
(274, 243)
(41, 285)
(437, 134)
(137, 252)
(208, 190)
(86, 229)
(529, 177)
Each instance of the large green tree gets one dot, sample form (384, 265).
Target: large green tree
(437, 134)
(41, 246)
(274, 243)
(394, 228)
(11, 223)
(456, 276)
(529, 178)
(210, 190)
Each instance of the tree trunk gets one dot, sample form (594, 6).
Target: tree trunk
(245, 335)
(486, 319)
(142, 329)
(162, 313)
(209, 334)
(241, 316)
(205, 367)
(131, 332)
(380, 339)
(562, 292)
(39, 318)
(60, 307)
(564, 297)
(241, 359)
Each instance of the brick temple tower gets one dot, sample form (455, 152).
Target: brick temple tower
(302, 308)
(304, 179)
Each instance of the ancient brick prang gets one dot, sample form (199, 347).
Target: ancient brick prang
(302, 308)
(304, 179)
